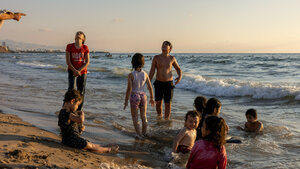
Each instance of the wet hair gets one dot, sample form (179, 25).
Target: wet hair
(169, 43)
(217, 127)
(73, 94)
(200, 103)
(251, 112)
(80, 32)
(211, 104)
(137, 61)
(192, 114)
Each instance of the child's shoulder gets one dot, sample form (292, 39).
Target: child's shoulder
(184, 130)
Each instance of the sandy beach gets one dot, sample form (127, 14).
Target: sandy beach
(23, 145)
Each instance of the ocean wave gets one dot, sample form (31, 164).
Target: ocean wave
(36, 64)
(121, 72)
(235, 88)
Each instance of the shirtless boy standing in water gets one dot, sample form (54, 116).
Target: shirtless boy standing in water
(163, 84)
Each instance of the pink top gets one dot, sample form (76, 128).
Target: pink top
(205, 155)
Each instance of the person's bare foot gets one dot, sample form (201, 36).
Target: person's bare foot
(114, 149)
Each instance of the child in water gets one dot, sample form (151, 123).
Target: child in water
(200, 104)
(138, 98)
(69, 119)
(252, 124)
(186, 138)
(213, 107)
(210, 151)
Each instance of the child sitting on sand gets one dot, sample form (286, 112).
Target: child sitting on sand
(138, 98)
(210, 151)
(252, 124)
(185, 139)
(69, 119)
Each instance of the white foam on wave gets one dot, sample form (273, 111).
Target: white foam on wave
(235, 88)
(121, 72)
(35, 64)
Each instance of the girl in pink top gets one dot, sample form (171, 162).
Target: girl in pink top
(210, 152)
(138, 99)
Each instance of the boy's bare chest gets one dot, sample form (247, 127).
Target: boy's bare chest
(164, 63)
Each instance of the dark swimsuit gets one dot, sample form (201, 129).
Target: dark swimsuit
(163, 90)
(183, 149)
(70, 131)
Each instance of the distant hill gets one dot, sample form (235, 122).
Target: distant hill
(13, 45)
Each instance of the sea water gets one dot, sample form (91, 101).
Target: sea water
(32, 85)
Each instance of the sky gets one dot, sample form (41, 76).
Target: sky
(192, 26)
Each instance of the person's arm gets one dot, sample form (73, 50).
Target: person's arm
(246, 127)
(149, 86)
(1, 23)
(68, 61)
(177, 140)
(152, 69)
(191, 157)
(178, 70)
(128, 91)
(223, 160)
(10, 15)
(78, 118)
(260, 128)
(87, 62)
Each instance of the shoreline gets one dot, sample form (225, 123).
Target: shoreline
(23, 145)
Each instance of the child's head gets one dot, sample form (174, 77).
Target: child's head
(251, 115)
(137, 61)
(214, 129)
(213, 107)
(80, 36)
(192, 119)
(73, 97)
(200, 103)
(167, 45)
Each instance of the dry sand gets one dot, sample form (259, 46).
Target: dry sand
(24, 146)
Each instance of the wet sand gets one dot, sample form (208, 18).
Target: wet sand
(23, 145)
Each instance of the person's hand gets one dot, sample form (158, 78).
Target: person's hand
(239, 128)
(152, 102)
(17, 16)
(82, 127)
(177, 80)
(125, 104)
(114, 149)
(76, 73)
(79, 112)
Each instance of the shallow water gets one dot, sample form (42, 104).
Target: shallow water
(32, 86)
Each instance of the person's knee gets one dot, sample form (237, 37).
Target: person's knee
(88, 146)
(159, 103)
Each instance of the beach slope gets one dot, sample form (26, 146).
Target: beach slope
(23, 145)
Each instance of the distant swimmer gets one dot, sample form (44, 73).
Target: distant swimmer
(7, 15)
(163, 85)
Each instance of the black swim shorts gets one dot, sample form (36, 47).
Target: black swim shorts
(163, 90)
